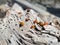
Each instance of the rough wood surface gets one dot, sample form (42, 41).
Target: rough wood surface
(11, 33)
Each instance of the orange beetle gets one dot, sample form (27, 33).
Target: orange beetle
(32, 27)
(41, 23)
(27, 19)
(35, 21)
(21, 23)
(45, 23)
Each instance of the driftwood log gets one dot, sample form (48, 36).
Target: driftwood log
(11, 33)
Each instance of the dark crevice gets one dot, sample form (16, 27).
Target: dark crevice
(54, 36)
(31, 32)
(18, 43)
(2, 14)
(21, 37)
(28, 36)
(9, 41)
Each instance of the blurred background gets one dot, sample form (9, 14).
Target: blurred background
(52, 6)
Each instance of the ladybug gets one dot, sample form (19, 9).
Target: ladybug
(35, 21)
(21, 23)
(27, 19)
(45, 23)
(32, 27)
